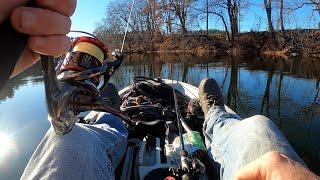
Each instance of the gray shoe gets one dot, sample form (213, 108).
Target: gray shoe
(110, 96)
(209, 95)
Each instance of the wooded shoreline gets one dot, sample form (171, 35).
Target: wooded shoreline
(289, 43)
(220, 27)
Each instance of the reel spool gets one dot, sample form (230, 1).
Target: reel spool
(87, 54)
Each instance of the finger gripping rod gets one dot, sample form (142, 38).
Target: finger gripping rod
(11, 47)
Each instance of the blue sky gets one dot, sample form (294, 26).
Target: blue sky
(90, 12)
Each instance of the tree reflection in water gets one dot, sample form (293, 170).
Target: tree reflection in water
(286, 90)
(32, 75)
(266, 96)
(233, 95)
(278, 99)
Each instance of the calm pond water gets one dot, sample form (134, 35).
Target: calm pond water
(285, 90)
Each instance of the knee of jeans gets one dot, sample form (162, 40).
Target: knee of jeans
(79, 138)
(258, 121)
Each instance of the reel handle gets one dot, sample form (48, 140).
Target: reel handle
(11, 48)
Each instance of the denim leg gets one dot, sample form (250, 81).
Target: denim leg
(233, 143)
(87, 152)
(114, 133)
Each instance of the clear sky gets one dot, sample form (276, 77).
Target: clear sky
(91, 12)
(88, 14)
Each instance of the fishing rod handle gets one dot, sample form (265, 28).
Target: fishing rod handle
(12, 45)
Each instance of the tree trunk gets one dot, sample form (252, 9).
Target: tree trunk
(183, 26)
(149, 24)
(233, 16)
(281, 17)
(207, 17)
(268, 7)
(169, 23)
(182, 17)
(225, 26)
(181, 11)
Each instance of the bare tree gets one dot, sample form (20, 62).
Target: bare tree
(207, 16)
(167, 15)
(297, 4)
(181, 9)
(233, 11)
(281, 14)
(268, 8)
(216, 8)
(301, 3)
(232, 7)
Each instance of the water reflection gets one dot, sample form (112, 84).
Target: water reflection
(286, 90)
(33, 75)
(233, 94)
(6, 145)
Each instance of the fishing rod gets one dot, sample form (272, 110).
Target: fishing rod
(127, 26)
(185, 161)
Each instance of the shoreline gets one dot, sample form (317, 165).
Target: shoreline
(292, 43)
(281, 54)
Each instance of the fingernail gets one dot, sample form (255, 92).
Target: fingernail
(28, 19)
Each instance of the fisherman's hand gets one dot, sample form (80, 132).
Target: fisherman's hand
(274, 165)
(47, 26)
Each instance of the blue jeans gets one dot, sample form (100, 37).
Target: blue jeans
(233, 142)
(87, 152)
(93, 152)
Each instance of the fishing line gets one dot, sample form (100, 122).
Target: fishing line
(125, 33)
(127, 26)
(83, 32)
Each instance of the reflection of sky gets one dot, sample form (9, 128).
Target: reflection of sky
(24, 119)
(7, 147)
(24, 116)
